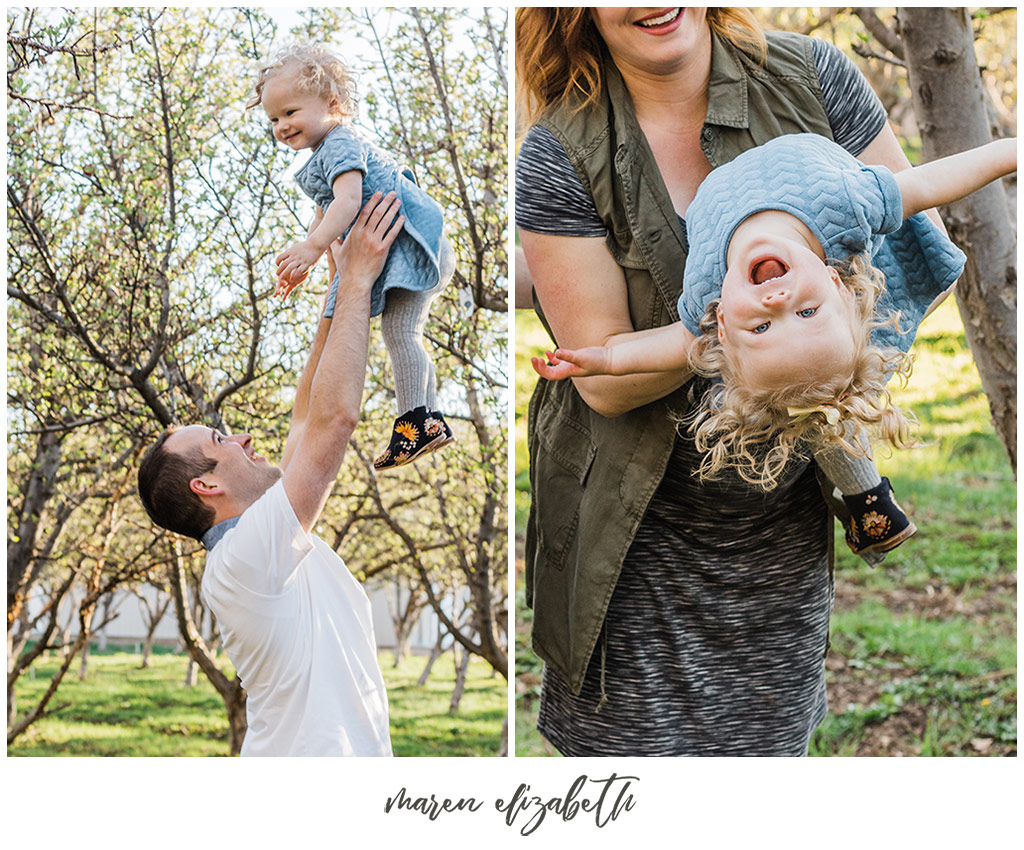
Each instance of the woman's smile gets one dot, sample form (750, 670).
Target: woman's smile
(661, 22)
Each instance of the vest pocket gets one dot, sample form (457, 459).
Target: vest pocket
(562, 457)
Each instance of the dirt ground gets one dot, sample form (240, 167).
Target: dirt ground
(849, 685)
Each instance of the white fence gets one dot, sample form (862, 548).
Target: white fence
(129, 625)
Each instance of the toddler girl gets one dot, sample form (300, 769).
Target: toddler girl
(784, 304)
(309, 98)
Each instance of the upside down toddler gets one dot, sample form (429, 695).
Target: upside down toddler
(807, 277)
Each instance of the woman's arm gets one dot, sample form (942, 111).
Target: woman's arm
(582, 291)
(523, 282)
(951, 178)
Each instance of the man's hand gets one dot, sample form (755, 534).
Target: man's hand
(360, 258)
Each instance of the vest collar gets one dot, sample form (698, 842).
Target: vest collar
(216, 532)
(727, 86)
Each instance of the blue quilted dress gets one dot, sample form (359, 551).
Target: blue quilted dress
(850, 207)
(412, 262)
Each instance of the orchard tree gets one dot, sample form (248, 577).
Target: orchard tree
(950, 104)
(144, 211)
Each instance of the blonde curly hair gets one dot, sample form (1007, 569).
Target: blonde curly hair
(750, 429)
(320, 74)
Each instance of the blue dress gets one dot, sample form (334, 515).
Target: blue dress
(412, 262)
(850, 207)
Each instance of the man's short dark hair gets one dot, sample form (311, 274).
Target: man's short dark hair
(164, 489)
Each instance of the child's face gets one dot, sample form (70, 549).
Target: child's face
(784, 315)
(298, 120)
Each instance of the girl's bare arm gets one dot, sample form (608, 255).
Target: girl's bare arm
(664, 349)
(294, 263)
(954, 177)
(582, 291)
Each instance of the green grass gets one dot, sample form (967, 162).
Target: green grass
(923, 658)
(120, 710)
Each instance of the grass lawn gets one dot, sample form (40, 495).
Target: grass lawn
(924, 653)
(120, 710)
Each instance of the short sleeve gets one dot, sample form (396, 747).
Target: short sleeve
(266, 546)
(550, 198)
(877, 207)
(341, 152)
(855, 114)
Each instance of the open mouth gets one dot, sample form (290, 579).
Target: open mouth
(767, 269)
(660, 20)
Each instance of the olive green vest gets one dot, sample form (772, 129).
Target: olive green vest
(593, 477)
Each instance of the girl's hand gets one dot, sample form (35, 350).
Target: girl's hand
(285, 286)
(581, 363)
(294, 264)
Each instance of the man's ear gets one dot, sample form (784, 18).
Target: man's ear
(204, 487)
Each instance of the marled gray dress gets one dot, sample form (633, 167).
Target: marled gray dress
(715, 637)
(716, 633)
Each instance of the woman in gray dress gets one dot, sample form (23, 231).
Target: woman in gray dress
(675, 617)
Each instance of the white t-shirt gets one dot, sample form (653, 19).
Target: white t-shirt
(296, 625)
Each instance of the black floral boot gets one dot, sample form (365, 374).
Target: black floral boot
(435, 425)
(876, 523)
(415, 433)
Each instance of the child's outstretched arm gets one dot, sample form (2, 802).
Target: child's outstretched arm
(665, 349)
(294, 264)
(953, 177)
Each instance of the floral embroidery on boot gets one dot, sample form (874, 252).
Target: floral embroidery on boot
(410, 439)
(877, 523)
(437, 427)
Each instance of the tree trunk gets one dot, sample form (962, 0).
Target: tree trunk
(460, 678)
(83, 665)
(435, 653)
(503, 750)
(190, 673)
(12, 696)
(230, 690)
(147, 647)
(950, 105)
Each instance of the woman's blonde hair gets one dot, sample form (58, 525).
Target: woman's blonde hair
(558, 52)
(750, 429)
(320, 74)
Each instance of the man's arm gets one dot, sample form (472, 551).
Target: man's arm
(951, 178)
(330, 406)
(300, 409)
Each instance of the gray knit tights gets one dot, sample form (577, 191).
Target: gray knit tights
(850, 473)
(402, 323)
